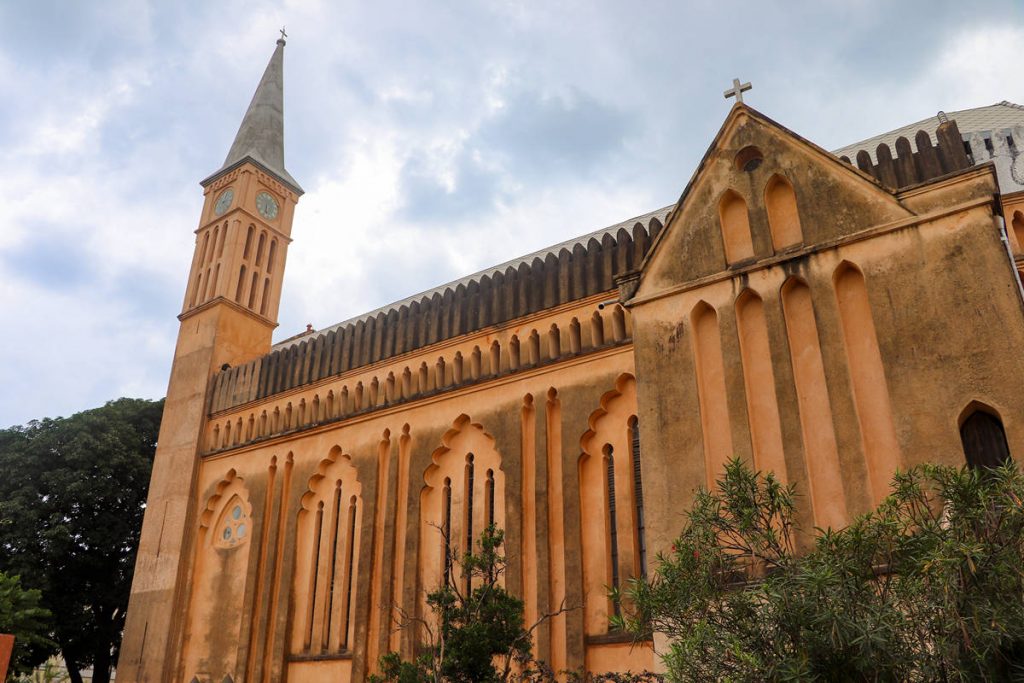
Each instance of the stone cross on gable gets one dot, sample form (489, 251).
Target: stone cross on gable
(737, 90)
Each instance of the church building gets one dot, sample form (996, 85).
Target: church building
(827, 316)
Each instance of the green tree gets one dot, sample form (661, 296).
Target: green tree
(71, 504)
(21, 616)
(476, 633)
(928, 587)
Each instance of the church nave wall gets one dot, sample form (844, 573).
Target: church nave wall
(521, 438)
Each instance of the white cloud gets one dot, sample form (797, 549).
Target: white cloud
(110, 121)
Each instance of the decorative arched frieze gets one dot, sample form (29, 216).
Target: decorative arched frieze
(327, 555)
(455, 498)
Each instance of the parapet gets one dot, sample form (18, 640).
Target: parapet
(550, 279)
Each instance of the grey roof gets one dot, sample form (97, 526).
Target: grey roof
(260, 138)
(645, 219)
(995, 117)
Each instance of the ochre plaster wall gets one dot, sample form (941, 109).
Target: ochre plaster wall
(527, 427)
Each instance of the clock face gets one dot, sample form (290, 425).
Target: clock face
(224, 201)
(266, 205)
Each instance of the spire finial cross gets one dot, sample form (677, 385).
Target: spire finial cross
(283, 34)
(737, 90)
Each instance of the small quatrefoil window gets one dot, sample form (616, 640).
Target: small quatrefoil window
(233, 528)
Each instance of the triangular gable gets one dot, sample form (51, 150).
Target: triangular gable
(834, 198)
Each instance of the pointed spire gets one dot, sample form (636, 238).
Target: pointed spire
(260, 138)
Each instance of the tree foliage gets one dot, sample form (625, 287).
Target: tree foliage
(476, 633)
(927, 587)
(71, 504)
(22, 617)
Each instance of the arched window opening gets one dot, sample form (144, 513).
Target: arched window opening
(332, 565)
(252, 289)
(446, 531)
(213, 247)
(206, 287)
(202, 252)
(783, 217)
(270, 256)
(223, 237)
(213, 283)
(638, 497)
(318, 527)
(248, 242)
(259, 248)
(198, 288)
(613, 533)
(748, 159)
(266, 296)
(350, 553)
(468, 526)
(241, 285)
(1018, 228)
(735, 222)
(489, 494)
(984, 440)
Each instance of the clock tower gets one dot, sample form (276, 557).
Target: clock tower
(228, 317)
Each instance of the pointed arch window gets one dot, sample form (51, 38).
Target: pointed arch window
(984, 440)
(1017, 225)
(468, 524)
(613, 532)
(638, 497)
(446, 535)
(271, 255)
(252, 288)
(489, 495)
(248, 242)
(241, 285)
(259, 248)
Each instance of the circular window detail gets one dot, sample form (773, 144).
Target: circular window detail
(748, 159)
(232, 529)
(224, 201)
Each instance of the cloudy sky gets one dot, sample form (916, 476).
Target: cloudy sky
(432, 138)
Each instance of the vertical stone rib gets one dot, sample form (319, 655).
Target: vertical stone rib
(711, 391)
(867, 375)
(759, 383)
(821, 453)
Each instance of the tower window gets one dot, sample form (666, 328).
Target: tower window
(248, 242)
(266, 296)
(259, 248)
(241, 285)
(270, 256)
(252, 289)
